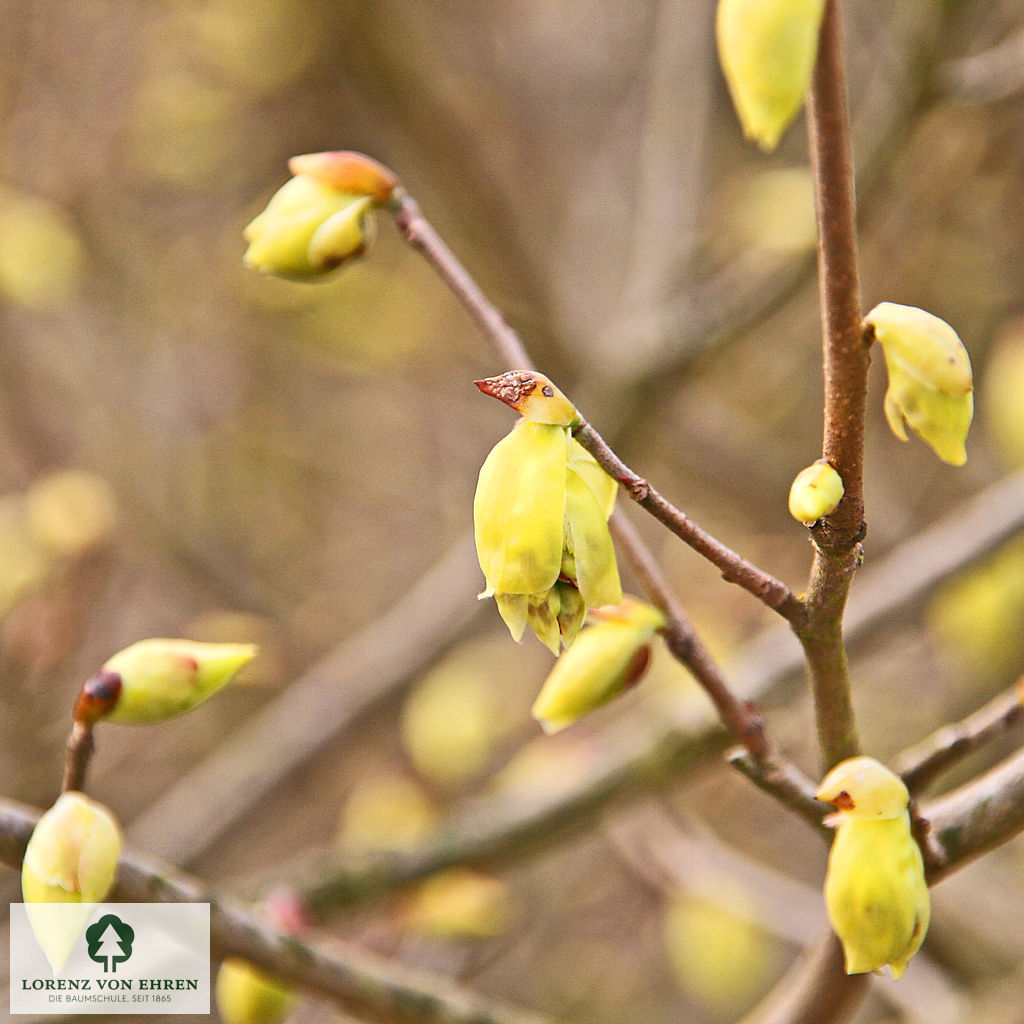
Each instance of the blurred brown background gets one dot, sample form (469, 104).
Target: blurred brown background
(189, 449)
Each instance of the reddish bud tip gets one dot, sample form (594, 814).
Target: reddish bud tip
(98, 697)
(347, 172)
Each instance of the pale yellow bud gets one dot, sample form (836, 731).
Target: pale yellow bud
(767, 49)
(816, 492)
(308, 229)
(71, 857)
(157, 679)
(604, 660)
(246, 995)
(930, 382)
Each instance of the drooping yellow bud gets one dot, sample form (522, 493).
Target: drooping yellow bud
(519, 509)
(815, 493)
(532, 395)
(246, 995)
(156, 679)
(605, 659)
(589, 543)
(930, 382)
(876, 892)
(71, 857)
(767, 49)
(458, 903)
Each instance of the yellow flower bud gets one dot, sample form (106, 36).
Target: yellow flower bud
(458, 903)
(541, 517)
(154, 680)
(72, 854)
(875, 890)
(589, 543)
(246, 995)
(308, 229)
(71, 857)
(519, 510)
(606, 658)
(930, 382)
(532, 395)
(816, 492)
(767, 49)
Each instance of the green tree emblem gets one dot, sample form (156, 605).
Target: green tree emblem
(110, 942)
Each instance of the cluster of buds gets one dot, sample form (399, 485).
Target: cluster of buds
(541, 516)
(608, 657)
(71, 858)
(931, 389)
(767, 50)
(319, 219)
(157, 679)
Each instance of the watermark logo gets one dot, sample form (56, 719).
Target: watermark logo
(110, 941)
(110, 958)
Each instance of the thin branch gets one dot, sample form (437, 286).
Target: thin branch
(78, 751)
(741, 718)
(734, 568)
(920, 764)
(358, 982)
(634, 755)
(977, 817)
(786, 783)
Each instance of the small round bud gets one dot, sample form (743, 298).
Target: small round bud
(816, 492)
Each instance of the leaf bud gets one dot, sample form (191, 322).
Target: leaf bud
(930, 381)
(816, 492)
(154, 680)
(767, 49)
(606, 658)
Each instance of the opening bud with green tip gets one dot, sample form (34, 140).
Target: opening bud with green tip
(816, 492)
(767, 49)
(71, 858)
(319, 219)
(608, 657)
(931, 388)
(156, 679)
(246, 995)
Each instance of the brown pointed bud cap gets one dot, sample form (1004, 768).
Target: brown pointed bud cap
(347, 172)
(532, 395)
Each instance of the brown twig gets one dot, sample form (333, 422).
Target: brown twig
(360, 983)
(733, 567)
(419, 233)
(78, 751)
(919, 765)
(845, 360)
(786, 783)
(977, 817)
